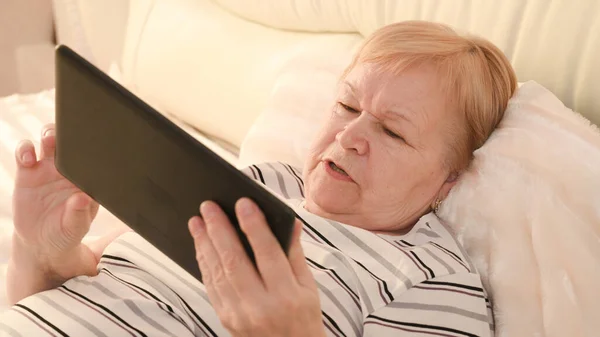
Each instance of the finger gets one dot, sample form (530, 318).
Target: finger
(271, 261)
(298, 260)
(235, 262)
(213, 275)
(25, 154)
(48, 142)
(197, 228)
(85, 203)
(77, 217)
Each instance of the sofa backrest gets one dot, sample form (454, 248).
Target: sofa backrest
(215, 63)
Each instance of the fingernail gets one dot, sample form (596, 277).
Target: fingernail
(196, 226)
(27, 158)
(246, 207)
(48, 133)
(208, 209)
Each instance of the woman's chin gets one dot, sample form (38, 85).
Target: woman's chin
(323, 204)
(325, 196)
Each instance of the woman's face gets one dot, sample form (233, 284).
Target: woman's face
(378, 163)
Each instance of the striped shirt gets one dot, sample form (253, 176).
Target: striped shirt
(420, 283)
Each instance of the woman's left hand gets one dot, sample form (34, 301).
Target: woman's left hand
(278, 299)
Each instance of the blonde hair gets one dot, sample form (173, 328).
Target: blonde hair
(477, 76)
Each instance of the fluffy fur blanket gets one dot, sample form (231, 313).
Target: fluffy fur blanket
(528, 213)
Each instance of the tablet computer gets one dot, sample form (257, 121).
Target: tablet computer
(142, 167)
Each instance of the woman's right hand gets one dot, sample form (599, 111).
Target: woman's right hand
(51, 216)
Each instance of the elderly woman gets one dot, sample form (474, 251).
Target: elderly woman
(369, 256)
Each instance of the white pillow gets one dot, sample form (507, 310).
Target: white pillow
(302, 97)
(527, 211)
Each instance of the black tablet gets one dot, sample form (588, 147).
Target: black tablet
(143, 168)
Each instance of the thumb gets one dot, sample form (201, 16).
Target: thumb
(77, 217)
(298, 260)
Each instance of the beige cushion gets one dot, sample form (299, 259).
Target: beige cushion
(204, 64)
(26, 48)
(95, 29)
(302, 97)
(198, 60)
(556, 43)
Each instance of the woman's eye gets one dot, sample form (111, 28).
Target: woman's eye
(348, 108)
(392, 134)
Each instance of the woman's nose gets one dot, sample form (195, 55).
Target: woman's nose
(354, 136)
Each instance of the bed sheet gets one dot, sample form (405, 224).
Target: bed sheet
(22, 117)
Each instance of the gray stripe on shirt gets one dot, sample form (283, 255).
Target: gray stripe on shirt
(385, 263)
(280, 182)
(167, 271)
(157, 287)
(440, 308)
(128, 302)
(341, 308)
(360, 287)
(449, 232)
(12, 332)
(428, 233)
(85, 323)
(439, 260)
(364, 295)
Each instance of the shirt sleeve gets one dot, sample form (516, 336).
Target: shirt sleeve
(453, 305)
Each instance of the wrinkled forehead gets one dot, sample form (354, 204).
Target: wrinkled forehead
(417, 93)
(417, 85)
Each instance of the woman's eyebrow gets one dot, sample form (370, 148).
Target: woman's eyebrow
(397, 114)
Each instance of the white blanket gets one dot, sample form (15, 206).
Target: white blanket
(22, 117)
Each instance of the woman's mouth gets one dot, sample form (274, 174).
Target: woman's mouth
(336, 168)
(336, 171)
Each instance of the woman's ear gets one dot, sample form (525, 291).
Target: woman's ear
(448, 184)
(452, 177)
